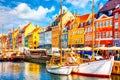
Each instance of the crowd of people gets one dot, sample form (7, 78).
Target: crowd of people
(115, 54)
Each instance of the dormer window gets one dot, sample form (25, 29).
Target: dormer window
(110, 12)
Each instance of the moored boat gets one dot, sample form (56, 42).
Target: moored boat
(63, 70)
(100, 68)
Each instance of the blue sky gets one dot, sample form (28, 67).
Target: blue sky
(14, 13)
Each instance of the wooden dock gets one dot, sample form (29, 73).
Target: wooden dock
(116, 68)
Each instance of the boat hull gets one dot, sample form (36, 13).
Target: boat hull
(63, 70)
(100, 68)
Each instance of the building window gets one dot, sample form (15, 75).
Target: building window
(100, 35)
(106, 34)
(116, 34)
(110, 22)
(116, 15)
(96, 35)
(116, 25)
(110, 34)
(81, 24)
(106, 23)
(101, 24)
(116, 44)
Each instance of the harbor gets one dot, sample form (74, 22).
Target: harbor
(70, 46)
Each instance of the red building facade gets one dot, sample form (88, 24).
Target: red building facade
(103, 31)
(116, 26)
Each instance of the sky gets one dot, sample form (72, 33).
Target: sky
(14, 13)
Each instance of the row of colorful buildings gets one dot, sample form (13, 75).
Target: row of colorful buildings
(76, 30)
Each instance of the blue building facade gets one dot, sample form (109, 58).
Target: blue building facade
(48, 39)
(42, 39)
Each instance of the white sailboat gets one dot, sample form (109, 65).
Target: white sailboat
(56, 67)
(100, 68)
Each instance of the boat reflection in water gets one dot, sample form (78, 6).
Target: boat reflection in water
(31, 71)
(115, 77)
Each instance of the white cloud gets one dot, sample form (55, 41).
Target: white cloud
(65, 8)
(23, 11)
(100, 5)
(23, 14)
(54, 16)
(79, 3)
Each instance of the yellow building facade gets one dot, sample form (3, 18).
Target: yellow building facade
(33, 38)
(76, 33)
(26, 31)
(14, 38)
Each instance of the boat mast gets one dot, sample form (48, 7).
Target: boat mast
(60, 32)
(92, 29)
(2, 37)
(13, 42)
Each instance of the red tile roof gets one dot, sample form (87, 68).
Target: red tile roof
(84, 18)
(111, 4)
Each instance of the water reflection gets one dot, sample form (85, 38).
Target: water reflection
(31, 71)
(115, 77)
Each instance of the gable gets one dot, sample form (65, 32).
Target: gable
(103, 16)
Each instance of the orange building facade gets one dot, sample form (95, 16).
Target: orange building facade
(103, 32)
(66, 17)
(55, 37)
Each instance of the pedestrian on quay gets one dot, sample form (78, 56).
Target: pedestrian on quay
(118, 56)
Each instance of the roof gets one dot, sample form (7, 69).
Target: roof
(111, 4)
(58, 18)
(36, 29)
(17, 30)
(84, 18)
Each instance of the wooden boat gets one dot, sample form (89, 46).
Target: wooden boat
(59, 68)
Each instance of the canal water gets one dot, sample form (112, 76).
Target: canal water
(31, 71)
